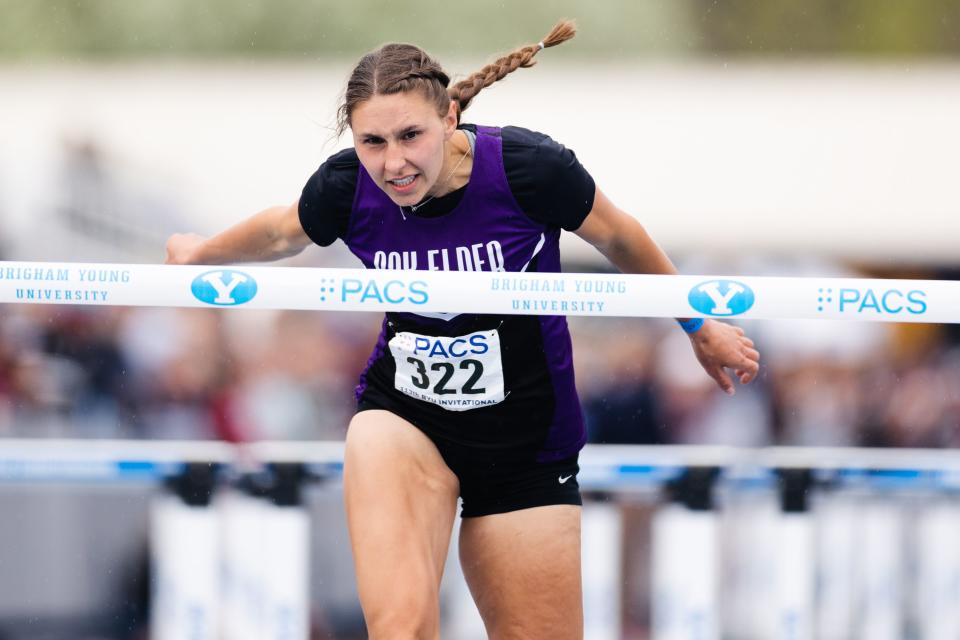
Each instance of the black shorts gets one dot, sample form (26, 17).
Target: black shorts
(499, 481)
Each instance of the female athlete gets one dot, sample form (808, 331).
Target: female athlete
(479, 408)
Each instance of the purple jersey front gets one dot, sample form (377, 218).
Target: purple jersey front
(496, 382)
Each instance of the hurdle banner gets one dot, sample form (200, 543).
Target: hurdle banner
(451, 292)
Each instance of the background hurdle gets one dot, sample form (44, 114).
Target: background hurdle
(764, 543)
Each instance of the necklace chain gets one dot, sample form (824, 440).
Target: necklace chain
(415, 207)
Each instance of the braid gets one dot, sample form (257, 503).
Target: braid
(465, 90)
(402, 68)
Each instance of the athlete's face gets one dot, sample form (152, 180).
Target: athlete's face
(400, 139)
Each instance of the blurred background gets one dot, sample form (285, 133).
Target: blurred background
(760, 137)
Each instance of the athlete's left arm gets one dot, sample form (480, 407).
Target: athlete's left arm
(626, 244)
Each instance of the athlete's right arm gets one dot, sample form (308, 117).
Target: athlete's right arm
(272, 234)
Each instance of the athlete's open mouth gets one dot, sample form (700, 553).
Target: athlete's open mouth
(403, 184)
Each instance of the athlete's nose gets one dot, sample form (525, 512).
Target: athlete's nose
(394, 161)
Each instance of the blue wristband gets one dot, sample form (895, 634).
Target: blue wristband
(692, 325)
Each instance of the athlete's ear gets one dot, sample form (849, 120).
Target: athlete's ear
(450, 120)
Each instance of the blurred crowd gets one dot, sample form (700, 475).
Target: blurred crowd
(822, 383)
(245, 375)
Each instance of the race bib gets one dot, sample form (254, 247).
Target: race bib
(457, 373)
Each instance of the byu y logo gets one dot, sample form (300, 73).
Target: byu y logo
(721, 298)
(224, 288)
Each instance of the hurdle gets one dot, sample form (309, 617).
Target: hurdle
(848, 543)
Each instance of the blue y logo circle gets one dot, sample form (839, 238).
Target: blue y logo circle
(224, 288)
(721, 298)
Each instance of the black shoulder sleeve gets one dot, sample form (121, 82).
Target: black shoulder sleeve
(546, 178)
(327, 198)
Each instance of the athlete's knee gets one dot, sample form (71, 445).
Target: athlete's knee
(406, 617)
(517, 629)
(552, 616)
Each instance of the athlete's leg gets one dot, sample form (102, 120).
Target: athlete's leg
(401, 500)
(523, 568)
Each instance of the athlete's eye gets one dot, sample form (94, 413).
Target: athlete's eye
(410, 135)
(372, 140)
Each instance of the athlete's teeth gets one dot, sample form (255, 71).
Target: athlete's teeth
(404, 182)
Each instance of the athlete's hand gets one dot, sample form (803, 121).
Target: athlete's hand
(182, 248)
(719, 346)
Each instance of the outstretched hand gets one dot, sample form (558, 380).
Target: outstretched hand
(181, 248)
(719, 346)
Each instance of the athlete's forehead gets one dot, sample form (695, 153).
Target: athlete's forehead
(392, 115)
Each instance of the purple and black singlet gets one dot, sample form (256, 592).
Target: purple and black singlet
(500, 384)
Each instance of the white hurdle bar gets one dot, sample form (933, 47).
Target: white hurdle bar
(574, 294)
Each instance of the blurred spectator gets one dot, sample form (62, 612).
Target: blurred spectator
(82, 343)
(300, 383)
(180, 370)
(816, 373)
(7, 359)
(695, 411)
(614, 364)
(915, 404)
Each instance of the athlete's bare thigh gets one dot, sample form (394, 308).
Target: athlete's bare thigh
(401, 502)
(523, 568)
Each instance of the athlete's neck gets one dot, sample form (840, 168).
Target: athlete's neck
(457, 165)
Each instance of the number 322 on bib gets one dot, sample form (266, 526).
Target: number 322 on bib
(457, 373)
